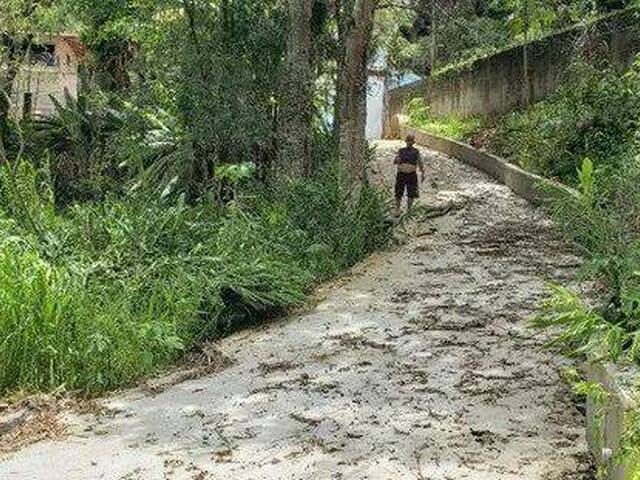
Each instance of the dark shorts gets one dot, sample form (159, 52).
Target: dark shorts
(408, 182)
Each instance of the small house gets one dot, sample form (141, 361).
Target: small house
(50, 69)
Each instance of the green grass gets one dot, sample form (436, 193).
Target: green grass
(121, 289)
(452, 126)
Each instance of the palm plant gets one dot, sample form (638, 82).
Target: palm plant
(76, 136)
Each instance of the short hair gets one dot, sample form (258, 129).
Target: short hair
(411, 139)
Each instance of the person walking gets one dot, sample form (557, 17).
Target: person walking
(409, 161)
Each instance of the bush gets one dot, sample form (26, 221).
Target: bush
(603, 221)
(595, 115)
(451, 126)
(121, 289)
(75, 139)
(59, 328)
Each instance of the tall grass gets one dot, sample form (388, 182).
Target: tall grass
(121, 289)
(603, 221)
(451, 126)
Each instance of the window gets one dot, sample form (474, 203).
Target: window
(44, 55)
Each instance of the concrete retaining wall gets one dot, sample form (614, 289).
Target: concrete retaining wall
(496, 84)
(605, 423)
(532, 187)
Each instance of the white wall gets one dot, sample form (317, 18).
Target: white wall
(42, 81)
(375, 107)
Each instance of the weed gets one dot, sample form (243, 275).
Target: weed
(594, 116)
(121, 289)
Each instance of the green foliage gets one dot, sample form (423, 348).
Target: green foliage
(596, 115)
(592, 391)
(138, 220)
(235, 173)
(75, 137)
(121, 288)
(55, 331)
(23, 19)
(603, 220)
(586, 179)
(222, 57)
(465, 31)
(531, 18)
(583, 330)
(630, 443)
(198, 82)
(451, 126)
(28, 197)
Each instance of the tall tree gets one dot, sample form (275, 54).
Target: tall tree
(107, 28)
(355, 19)
(296, 114)
(12, 52)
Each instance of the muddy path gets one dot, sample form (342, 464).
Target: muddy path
(417, 365)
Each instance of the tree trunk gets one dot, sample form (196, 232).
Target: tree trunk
(526, 69)
(434, 38)
(6, 87)
(296, 113)
(355, 27)
(14, 53)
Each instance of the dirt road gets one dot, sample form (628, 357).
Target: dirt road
(418, 365)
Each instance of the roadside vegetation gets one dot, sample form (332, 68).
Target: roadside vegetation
(101, 294)
(602, 220)
(452, 126)
(192, 188)
(595, 115)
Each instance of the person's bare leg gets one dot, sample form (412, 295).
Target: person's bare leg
(398, 206)
(410, 202)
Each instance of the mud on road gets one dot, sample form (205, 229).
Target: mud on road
(416, 365)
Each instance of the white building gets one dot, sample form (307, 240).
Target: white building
(50, 70)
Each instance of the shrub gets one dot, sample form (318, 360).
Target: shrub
(451, 126)
(120, 289)
(59, 328)
(595, 115)
(75, 138)
(603, 221)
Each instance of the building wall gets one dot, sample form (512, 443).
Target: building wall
(375, 106)
(496, 84)
(42, 81)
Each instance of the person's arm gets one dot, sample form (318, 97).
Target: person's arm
(396, 161)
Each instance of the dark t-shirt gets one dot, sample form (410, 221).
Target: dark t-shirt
(410, 155)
